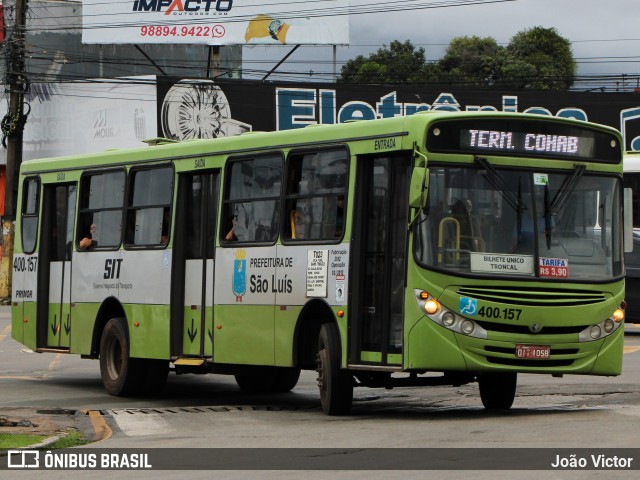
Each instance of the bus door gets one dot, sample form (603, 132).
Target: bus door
(54, 269)
(193, 264)
(379, 260)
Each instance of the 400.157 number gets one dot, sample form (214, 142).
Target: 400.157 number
(495, 312)
(21, 264)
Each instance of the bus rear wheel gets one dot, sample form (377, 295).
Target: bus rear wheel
(335, 384)
(121, 374)
(497, 390)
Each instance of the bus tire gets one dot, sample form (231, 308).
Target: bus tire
(497, 390)
(286, 379)
(335, 384)
(121, 374)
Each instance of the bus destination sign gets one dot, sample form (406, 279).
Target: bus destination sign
(526, 138)
(495, 140)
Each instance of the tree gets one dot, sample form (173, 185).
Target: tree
(400, 63)
(472, 59)
(549, 54)
(536, 58)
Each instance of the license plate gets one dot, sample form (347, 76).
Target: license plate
(533, 351)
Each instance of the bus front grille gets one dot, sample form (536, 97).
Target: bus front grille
(524, 329)
(524, 362)
(549, 297)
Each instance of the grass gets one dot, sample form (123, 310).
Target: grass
(16, 440)
(72, 438)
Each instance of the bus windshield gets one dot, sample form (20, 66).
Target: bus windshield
(488, 220)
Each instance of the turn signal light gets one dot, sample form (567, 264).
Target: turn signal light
(618, 315)
(424, 295)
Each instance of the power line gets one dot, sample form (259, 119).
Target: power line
(368, 8)
(40, 55)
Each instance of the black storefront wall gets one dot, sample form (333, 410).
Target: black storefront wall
(268, 106)
(228, 107)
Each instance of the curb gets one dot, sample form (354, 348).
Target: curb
(44, 444)
(93, 425)
(90, 422)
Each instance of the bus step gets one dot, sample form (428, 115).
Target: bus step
(191, 362)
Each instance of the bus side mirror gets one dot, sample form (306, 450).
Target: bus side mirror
(419, 187)
(628, 220)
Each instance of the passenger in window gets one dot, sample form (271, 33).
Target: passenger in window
(241, 223)
(231, 235)
(298, 224)
(89, 240)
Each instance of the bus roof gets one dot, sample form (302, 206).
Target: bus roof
(159, 149)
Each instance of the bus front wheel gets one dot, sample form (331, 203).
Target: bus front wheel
(335, 384)
(121, 374)
(497, 390)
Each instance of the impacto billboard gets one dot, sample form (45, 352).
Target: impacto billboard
(216, 22)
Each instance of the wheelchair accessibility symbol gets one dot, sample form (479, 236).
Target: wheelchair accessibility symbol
(468, 306)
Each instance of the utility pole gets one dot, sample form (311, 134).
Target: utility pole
(12, 129)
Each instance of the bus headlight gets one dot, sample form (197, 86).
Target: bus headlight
(444, 317)
(431, 306)
(448, 319)
(609, 324)
(467, 327)
(602, 329)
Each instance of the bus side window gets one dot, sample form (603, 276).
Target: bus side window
(101, 205)
(149, 207)
(252, 200)
(315, 196)
(30, 214)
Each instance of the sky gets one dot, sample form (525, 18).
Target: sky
(600, 31)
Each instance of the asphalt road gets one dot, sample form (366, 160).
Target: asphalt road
(210, 412)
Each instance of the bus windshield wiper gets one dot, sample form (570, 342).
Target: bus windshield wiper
(566, 189)
(519, 211)
(551, 209)
(547, 216)
(494, 178)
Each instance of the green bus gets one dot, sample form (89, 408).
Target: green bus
(440, 248)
